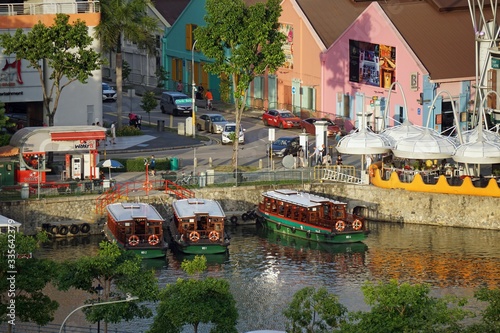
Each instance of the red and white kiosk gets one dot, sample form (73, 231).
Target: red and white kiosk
(80, 143)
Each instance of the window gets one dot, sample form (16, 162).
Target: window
(176, 69)
(190, 36)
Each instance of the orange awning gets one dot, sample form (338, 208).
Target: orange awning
(7, 151)
(70, 136)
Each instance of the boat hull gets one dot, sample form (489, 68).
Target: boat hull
(143, 251)
(309, 232)
(196, 248)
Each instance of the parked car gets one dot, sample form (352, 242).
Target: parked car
(108, 93)
(227, 134)
(176, 103)
(211, 122)
(308, 126)
(286, 145)
(281, 119)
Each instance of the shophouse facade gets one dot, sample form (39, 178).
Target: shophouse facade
(20, 88)
(178, 54)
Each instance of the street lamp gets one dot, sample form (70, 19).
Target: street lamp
(99, 290)
(193, 89)
(128, 299)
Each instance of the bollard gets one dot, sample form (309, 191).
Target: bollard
(162, 125)
(195, 162)
(171, 121)
(260, 164)
(210, 161)
(25, 191)
(158, 126)
(203, 179)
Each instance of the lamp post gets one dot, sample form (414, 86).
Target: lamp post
(128, 299)
(193, 89)
(99, 290)
(40, 160)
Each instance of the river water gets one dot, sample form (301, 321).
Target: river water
(265, 270)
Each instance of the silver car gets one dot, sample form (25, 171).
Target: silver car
(211, 122)
(108, 93)
(228, 132)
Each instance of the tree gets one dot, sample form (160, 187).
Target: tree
(244, 42)
(127, 19)
(63, 47)
(195, 301)
(397, 308)
(21, 295)
(314, 311)
(119, 272)
(490, 322)
(149, 102)
(4, 123)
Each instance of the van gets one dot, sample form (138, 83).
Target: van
(176, 103)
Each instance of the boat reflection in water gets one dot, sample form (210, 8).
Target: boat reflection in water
(346, 255)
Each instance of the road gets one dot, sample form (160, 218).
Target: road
(253, 152)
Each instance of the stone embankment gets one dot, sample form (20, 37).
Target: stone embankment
(375, 203)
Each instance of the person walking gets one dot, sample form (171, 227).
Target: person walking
(317, 155)
(209, 97)
(337, 137)
(180, 86)
(152, 165)
(339, 160)
(300, 157)
(200, 91)
(113, 132)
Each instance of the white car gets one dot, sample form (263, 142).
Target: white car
(108, 93)
(227, 132)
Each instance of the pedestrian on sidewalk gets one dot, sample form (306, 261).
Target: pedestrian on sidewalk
(152, 165)
(113, 132)
(180, 86)
(209, 97)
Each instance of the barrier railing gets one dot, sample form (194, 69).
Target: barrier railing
(68, 7)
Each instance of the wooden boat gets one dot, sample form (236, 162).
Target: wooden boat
(136, 227)
(311, 217)
(198, 227)
(8, 225)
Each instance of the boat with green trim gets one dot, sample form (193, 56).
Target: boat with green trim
(197, 227)
(136, 227)
(309, 216)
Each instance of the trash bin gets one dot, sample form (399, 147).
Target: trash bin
(203, 179)
(25, 191)
(174, 164)
(160, 125)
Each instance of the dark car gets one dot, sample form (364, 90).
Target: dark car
(286, 145)
(308, 126)
(281, 119)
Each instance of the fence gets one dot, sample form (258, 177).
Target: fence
(54, 328)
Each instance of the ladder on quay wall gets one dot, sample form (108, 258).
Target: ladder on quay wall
(339, 176)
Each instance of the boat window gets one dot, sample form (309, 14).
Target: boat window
(217, 227)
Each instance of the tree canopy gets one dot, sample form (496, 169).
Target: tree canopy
(243, 42)
(196, 301)
(403, 307)
(126, 19)
(22, 280)
(314, 311)
(63, 47)
(119, 273)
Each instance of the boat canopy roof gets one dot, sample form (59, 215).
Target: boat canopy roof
(5, 222)
(190, 207)
(127, 211)
(302, 199)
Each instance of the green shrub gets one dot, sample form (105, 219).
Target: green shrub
(137, 164)
(128, 131)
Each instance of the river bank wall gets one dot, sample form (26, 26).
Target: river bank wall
(399, 206)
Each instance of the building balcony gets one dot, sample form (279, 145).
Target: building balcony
(40, 7)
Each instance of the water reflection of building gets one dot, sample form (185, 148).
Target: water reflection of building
(443, 256)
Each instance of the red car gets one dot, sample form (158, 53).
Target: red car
(281, 119)
(309, 127)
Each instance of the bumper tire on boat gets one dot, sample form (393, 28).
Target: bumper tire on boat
(63, 230)
(85, 228)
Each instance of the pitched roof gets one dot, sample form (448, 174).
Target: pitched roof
(441, 37)
(170, 9)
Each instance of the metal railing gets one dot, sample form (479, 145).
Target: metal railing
(69, 7)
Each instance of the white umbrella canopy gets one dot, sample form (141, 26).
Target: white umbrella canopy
(405, 130)
(110, 164)
(479, 152)
(427, 145)
(474, 134)
(363, 143)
